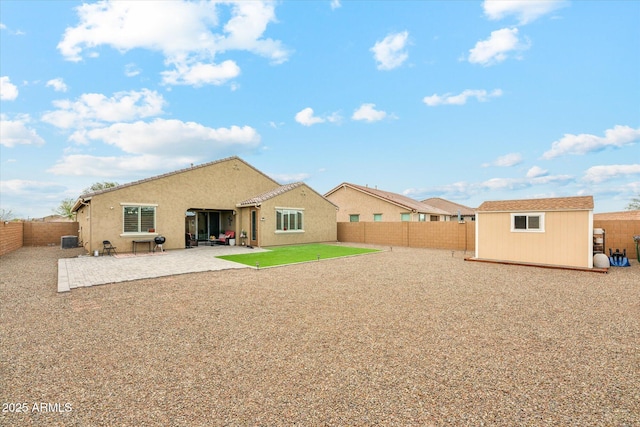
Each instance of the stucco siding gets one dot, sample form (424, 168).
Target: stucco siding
(565, 240)
(319, 219)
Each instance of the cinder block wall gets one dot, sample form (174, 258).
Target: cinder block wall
(435, 235)
(11, 237)
(47, 233)
(619, 235)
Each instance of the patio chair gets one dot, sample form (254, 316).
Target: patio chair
(108, 248)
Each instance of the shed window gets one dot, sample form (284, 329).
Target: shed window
(533, 222)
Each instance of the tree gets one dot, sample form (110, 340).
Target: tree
(634, 204)
(99, 186)
(6, 215)
(65, 208)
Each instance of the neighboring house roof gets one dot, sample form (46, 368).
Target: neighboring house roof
(394, 198)
(549, 204)
(449, 206)
(624, 216)
(88, 196)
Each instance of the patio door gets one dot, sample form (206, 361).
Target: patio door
(208, 224)
(253, 229)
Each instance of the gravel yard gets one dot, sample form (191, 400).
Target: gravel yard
(402, 337)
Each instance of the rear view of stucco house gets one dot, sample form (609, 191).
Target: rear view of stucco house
(551, 231)
(202, 202)
(358, 203)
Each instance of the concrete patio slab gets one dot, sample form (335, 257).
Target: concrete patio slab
(88, 271)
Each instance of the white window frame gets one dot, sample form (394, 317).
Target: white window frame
(289, 211)
(140, 232)
(540, 229)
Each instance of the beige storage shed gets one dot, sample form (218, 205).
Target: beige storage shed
(550, 231)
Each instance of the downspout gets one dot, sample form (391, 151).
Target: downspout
(88, 205)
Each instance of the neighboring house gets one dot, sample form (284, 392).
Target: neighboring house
(554, 231)
(364, 204)
(204, 201)
(455, 210)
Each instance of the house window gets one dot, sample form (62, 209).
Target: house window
(354, 218)
(527, 222)
(434, 218)
(289, 219)
(405, 217)
(377, 217)
(139, 218)
(422, 217)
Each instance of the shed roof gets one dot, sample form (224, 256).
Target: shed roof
(548, 204)
(395, 198)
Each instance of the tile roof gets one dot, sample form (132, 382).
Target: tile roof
(548, 204)
(624, 216)
(395, 198)
(449, 206)
(269, 194)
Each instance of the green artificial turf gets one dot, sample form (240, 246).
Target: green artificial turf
(291, 254)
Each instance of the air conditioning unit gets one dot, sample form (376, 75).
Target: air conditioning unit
(68, 242)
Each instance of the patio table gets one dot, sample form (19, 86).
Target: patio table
(134, 244)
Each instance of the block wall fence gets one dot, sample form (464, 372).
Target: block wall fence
(434, 235)
(618, 234)
(16, 234)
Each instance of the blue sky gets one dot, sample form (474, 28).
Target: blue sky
(465, 100)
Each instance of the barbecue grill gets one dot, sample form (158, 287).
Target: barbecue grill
(159, 240)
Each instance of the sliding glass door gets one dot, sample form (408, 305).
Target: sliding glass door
(208, 224)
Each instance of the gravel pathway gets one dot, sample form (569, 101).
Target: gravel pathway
(402, 337)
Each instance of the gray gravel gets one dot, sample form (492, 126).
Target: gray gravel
(403, 337)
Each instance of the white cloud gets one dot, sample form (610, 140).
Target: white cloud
(21, 187)
(598, 174)
(497, 47)
(390, 53)
(461, 98)
(182, 31)
(367, 112)
(284, 178)
(16, 132)
(524, 10)
(94, 109)
(115, 166)
(335, 4)
(584, 143)
(306, 118)
(536, 172)
(175, 138)
(200, 74)
(57, 84)
(131, 70)
(8, 91)
(508, 160)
